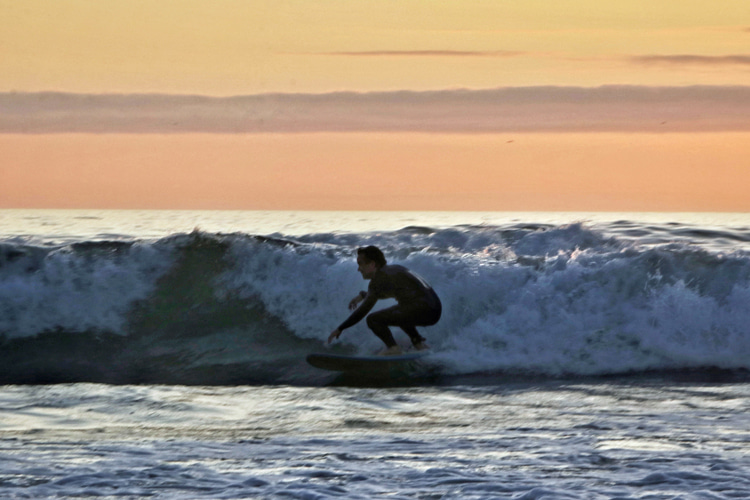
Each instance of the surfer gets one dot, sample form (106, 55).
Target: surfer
(417, 303)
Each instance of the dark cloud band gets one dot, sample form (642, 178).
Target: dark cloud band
(688, 59)
(427, 53)
(515, 109)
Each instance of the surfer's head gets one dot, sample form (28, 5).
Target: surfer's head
(369, 260)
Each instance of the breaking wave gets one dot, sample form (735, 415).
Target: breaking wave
(523, 299)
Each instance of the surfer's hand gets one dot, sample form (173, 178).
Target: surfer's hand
(334, 335)
(355, 302)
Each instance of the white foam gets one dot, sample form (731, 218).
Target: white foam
(545, 299)
(564, 300)
(79, 291)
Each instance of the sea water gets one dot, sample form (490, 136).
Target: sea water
(161, 355)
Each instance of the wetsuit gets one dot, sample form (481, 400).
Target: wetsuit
(417, 304)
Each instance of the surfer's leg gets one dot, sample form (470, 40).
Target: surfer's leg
(403, 317)
(378, 322)
(413, 334)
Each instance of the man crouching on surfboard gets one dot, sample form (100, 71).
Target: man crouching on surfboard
(417, 303)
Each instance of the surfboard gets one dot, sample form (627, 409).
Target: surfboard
(344, 363)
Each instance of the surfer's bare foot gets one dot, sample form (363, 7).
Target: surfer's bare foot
(422, 346)
(391, 351)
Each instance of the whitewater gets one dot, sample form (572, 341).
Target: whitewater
(161, 354)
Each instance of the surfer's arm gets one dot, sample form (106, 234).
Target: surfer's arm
(357, 299)
(361, 312)
(334, 335)
(352, 305)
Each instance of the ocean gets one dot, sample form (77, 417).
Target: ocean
(161, 354)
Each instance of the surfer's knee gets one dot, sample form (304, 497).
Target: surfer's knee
(373, 321)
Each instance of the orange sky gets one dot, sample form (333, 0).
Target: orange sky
(669, 131)
(370, 171)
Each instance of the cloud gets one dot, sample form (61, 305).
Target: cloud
(689, 59)
(512, 109)
(428, 53)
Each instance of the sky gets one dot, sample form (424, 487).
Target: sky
(375, 105)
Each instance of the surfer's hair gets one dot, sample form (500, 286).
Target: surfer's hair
(373, 254)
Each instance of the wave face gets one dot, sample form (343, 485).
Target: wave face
(534, 299)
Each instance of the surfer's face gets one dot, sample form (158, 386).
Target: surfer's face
(367, 268)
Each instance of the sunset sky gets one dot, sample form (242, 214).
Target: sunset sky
(376, 105)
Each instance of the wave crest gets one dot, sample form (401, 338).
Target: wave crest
(234, 308)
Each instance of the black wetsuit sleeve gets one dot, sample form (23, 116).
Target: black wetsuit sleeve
(364, 308)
